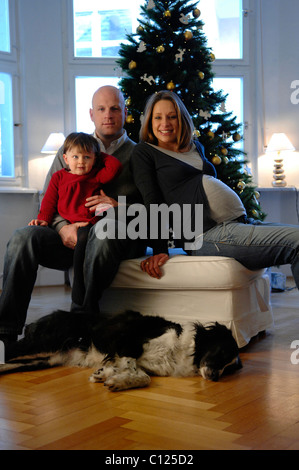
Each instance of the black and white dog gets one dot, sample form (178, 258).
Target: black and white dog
(125, 349)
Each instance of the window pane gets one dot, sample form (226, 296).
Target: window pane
(6, 126)
(99, 29)
(85, 88)
(4, 26)
(223, 27)
(233, 86)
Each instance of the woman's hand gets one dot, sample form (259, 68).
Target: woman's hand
(152, 265)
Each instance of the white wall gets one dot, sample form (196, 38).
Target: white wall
(280, 67)
(44, 90)
(42, 82)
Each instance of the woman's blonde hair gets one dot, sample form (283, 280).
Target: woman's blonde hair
(186, 126)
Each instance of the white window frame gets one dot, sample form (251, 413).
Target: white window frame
(9, 65)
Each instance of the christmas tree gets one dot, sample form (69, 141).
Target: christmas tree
(169, 51)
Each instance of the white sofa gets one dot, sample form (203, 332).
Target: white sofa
(194, 288)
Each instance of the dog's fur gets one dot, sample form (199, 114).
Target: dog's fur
(125, 349)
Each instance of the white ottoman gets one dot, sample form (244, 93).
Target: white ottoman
(195, 288)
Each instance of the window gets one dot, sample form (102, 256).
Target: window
(4, 27)
(6, 126)
(233, 87)
(7, 72)
(223, 27)
(99, 29)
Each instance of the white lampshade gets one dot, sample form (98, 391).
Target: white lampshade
(279, 142)
(53, 143)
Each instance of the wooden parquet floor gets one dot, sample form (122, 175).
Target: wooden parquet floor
(256, 408)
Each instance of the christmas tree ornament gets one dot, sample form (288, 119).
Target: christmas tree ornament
(139, 29)
(216, 160)
(141, 47)
(188, 35)
(132, 65)
(225, 160)
(130, 119)
(241, 185)
(212, 57)
(236, 137)
(257, 194)
(255, 214)
(150, 80)
(196, 133)
(179, 55)
(128, 101)
(170, 86)
(224, 151)
(196, 13)
(201, 75)
(167, 14)
(184, 18)
(160, 49)
(151, 4)
(211, 135)
(205, 114)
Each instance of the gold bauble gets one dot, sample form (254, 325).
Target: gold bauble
(170, 85)
(130, 119)
(196, 133)
(160, 49)
(255, 213)
(212, 56)
(216, 160)
(211, 135)
(196, 13)
(225, 160)
(241, 185)
(188, 35)
(139, 29)
(257, 194)
(224, 151)
(167, 13)
(128, 101)
(201, 75)
(237, 137)
(132, 65)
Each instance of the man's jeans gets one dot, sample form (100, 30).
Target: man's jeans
(256, 246)
(30, 247)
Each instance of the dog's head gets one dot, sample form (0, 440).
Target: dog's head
(216, 351)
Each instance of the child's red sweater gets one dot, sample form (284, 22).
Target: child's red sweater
(67, 193)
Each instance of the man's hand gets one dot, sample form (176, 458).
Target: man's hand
(68, 234)
(93, 201)
(152, 265)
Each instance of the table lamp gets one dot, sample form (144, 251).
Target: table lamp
(53, 143)
(278, 143)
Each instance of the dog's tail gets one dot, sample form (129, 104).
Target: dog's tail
(24, 364)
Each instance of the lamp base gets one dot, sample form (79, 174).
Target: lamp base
(279, 183)
(278, 174)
